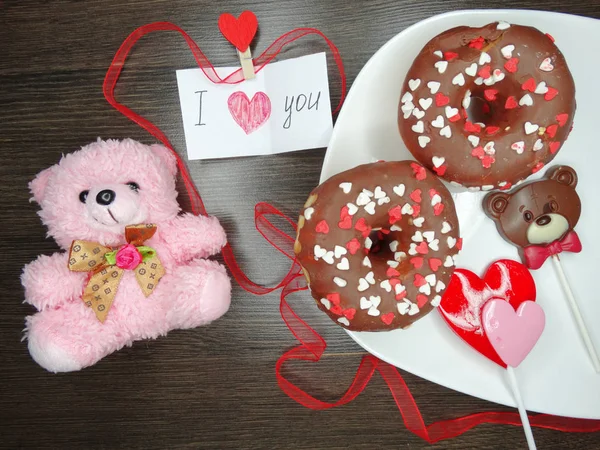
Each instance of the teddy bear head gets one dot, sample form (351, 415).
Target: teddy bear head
(93, 193)
(539, 212)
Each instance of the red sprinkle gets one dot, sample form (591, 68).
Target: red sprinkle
(422, 248)
(333, 298)
(472, 127)
(440, 170)
(490, 94)
(387, 318)
(345, 223)
(416, 195)
(554, 146)
(485, 108)
(384, 231)
(491, 130)
(449, 56)
(419, 280)
(537, 167)
(395, 214)
(511, 102)
(477, 43)
(487, 161)
(349, 313)
(417, 261)
(506, 187)
(421, 300)
(512, 65)
(550, 37)
(435, 263)
(438, 208)
(441, 99)
(353, 246)
(419, 171)
(362, 226)
(454, 118)
(478, 152)
(416, 209)
(400, 296)
(459, 243)
(562, 119)
(550, 94)
(529, 85)
(433, 193)
(322, 227)
(336, 309)
(485, 72)
(391, 272)
(551, 130)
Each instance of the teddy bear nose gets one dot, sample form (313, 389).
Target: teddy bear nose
(105, 197)
(543, 220)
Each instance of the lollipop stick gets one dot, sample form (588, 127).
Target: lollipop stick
(522, 411)
(589, 345)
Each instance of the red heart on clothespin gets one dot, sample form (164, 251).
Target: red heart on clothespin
(240, 31)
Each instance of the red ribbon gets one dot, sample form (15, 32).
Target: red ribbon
(312, 345)
(536, 255)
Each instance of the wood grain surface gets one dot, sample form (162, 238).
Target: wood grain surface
(212, 387)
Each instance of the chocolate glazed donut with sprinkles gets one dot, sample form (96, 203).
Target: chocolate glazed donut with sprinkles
(487, 107)
(378, 245)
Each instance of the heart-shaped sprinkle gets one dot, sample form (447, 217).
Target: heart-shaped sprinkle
(378, 192)
(433, 245)
(484, 58)
(326, 303)
(438, 122)
(485, 72)
(433, 86)
(418, 113)
(385, 285)
(424, 140)
(435, 263)
(366, 262)
(436, 199)
(451, 242)
(407, 109)
(466, 102)
(478, 81)
(458, 80)
(370, 278)
(370, 208)
(529, 85)
(418, 127)
(319, 252)
(550, 94)
(383, 201)
(538, 145)
(419, 280)
(416, 195)
(435, 302)
(562, 119)
(346, 187)
(322, 227)
(399, 256)
(362, 199)
(399, 190)
(554, 146)
(511, 102)
(507, 51)
(352, 208)
(340, 281)
(425, 289)
(349, 313)
(541, 88)
(407, 209)
(414, 84)
(353, 246)
(474, 140)
(344, 321)
(526, 100)
(438, 161)
(308, 212)
(363, 285)
(451, 112)
(438, 209)
(471, 70)
(334, 298)
(512, 65)
(395, 228)
(328, 257)
(530, 128)
(537, 167)
(422, 248)
(551, 130)
(440, 286)
(449, 56)
(446, 131)
(429, 235)
(387, 318)
(392, 272)
(489, 148)
(339, 251)
(546, 65)
(438, 53)
(448, 262)
(418, 222)
(441, 66)
(425, 103)
(407, 97)
(431, 279)
(368, 243)
(394, 246)
(446, 227)
(518, 147)
(441, 99)
(478, 152)
(417, 262)
(417, 237)
(472, 127)
(503, 26)
(490, 94)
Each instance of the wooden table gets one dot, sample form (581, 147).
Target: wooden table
(211, 387)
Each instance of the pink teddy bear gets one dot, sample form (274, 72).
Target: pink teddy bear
(92, 195)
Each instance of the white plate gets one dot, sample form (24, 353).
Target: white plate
(557, 377)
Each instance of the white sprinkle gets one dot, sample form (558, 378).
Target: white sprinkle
(518, 147)
(343, 264)
(425, 103)
(449, 262)
(474, 140)
(366, 262)
(394, 246)
(414, 84)
(418, 127)
(407, 97)
(418, 113)
(446, 131)
(362, 285)
(487, 187)
(393, 264)
(438, 161)
(458, 80)
(507, 51)
(395, 228)
(429, 235)
(435, 302)
(451, 112)
(438, 53)
(344, 321)
(418, 222)
(370, 208)
(538, 145)
(541, 88)
(440, 286)
(471, 70)
(503, 25)
(438, 122)
(467, 99)
(346, 187)
(326, 303)
(352, 208)
(530, 128)
(308, 212)
(385, 284)
(546, 65)
(526, 100)
(446, 227)
(441, 66)
(338, 251)
(368, 243)
(433, 245)
(484, 58)
(399, 190)
(433, 86)
(451, 242)
(340, 281)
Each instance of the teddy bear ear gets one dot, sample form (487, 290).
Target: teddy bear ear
(166, 156)
(564, 175)
(37, 186)
(495, 204)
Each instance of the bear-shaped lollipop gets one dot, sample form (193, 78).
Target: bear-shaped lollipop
(538, 217)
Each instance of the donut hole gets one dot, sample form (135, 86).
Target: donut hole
(488, 112)
(380, 241)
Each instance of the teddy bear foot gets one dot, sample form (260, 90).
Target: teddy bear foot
(202, 293)
(51, 356)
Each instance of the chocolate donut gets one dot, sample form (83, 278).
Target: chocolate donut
(378, 244)
(487, 107)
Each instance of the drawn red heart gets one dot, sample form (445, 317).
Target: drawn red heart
(240, 31)
(463, 300)
(250, 115)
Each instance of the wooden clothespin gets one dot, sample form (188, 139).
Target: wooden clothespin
(240, 33)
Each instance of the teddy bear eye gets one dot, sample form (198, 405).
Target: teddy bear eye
(134, 186)
(83, 196)
(528, 216)
(553, 206)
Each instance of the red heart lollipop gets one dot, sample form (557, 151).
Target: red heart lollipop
(240, 31)
(463, 301)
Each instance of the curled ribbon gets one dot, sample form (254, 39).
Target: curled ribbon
(107, 266)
